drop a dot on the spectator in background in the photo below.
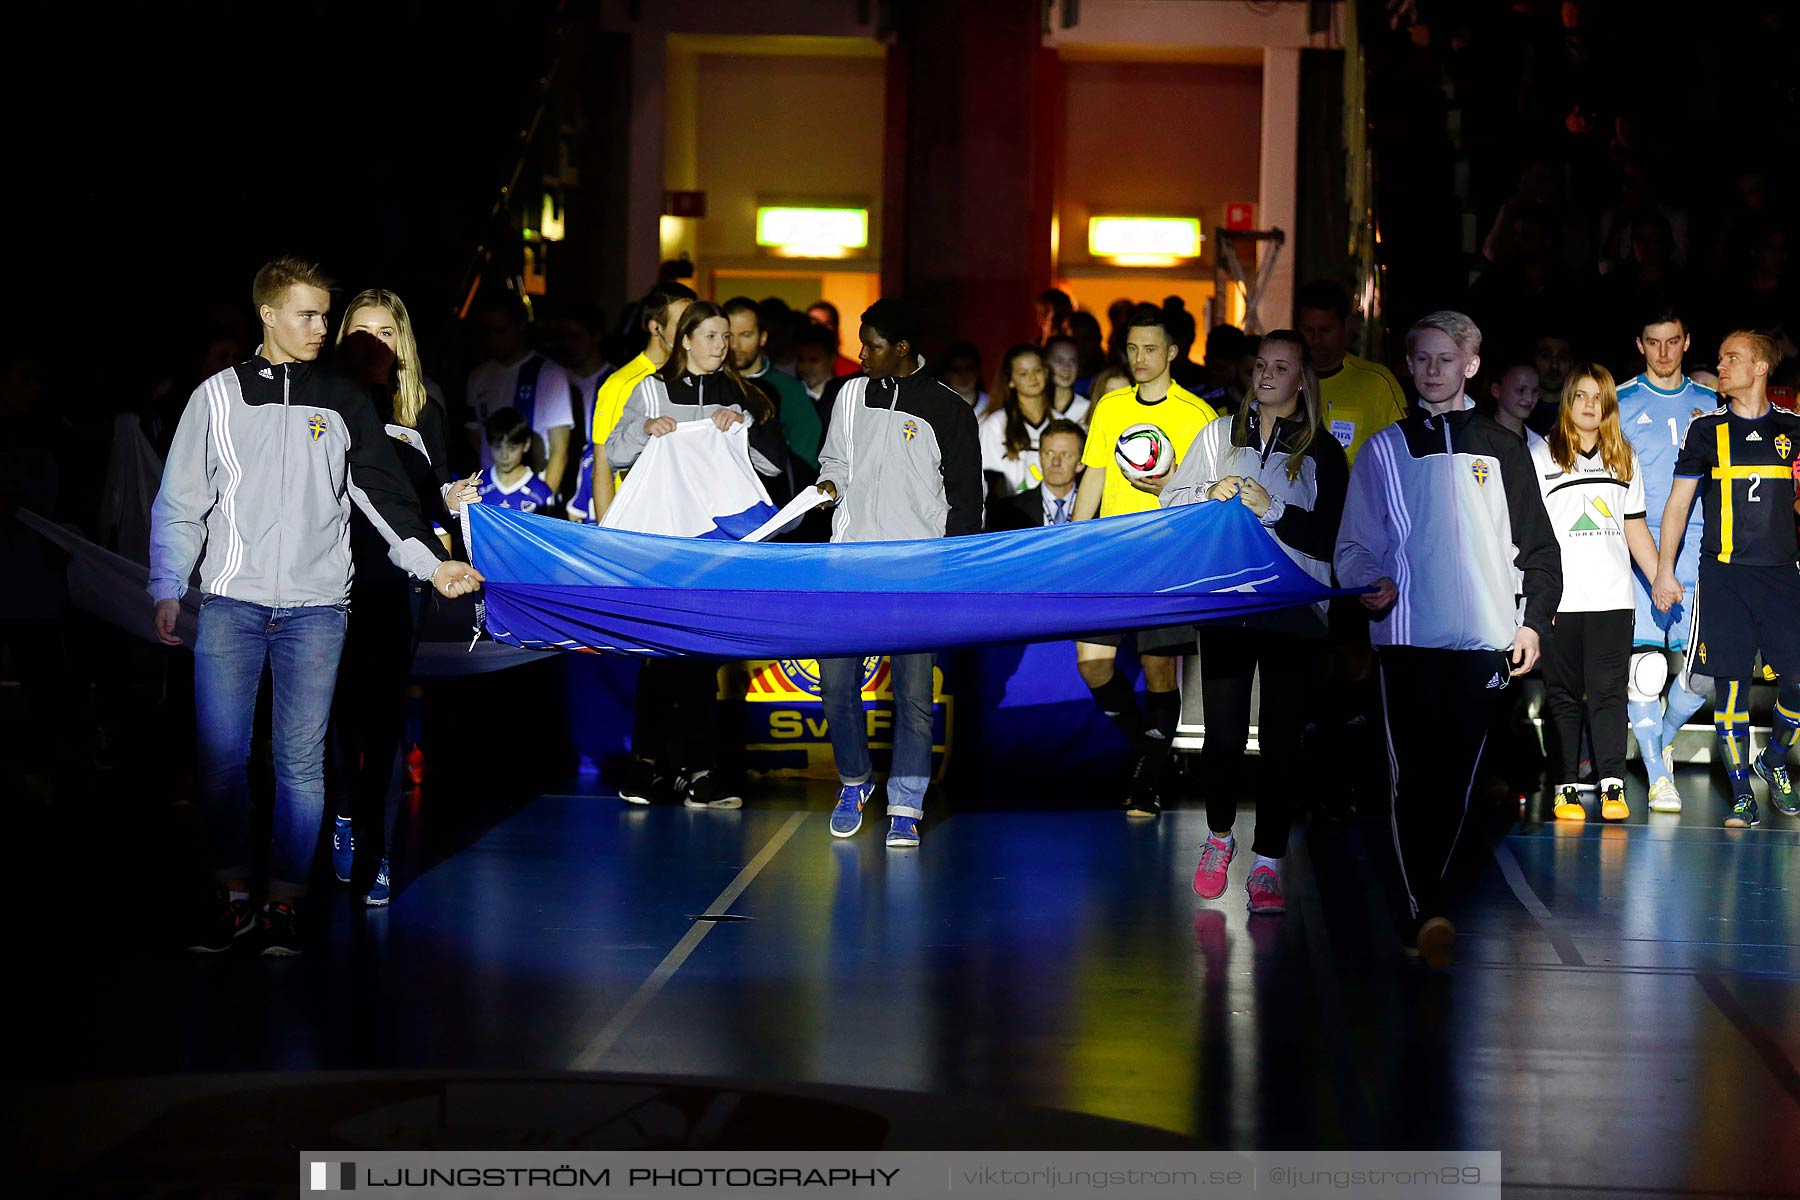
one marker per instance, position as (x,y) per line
(779,322)
(1759,294)
(1361,397)
(517,377)
(961,373)
(799,419)
(1051,502)
(1184,370)
(1637,204)
(1647,277)
(1276,459)
(1554,355)
(814,352)
(1109,379)
(1090,350)
(1118,317)
(660,311)
(577,331)
(217,348)
(1053,310)
(1224,349)
(1066,399)
(1511,398)
(1530,283)
(1009,435)
(511,483)
(825,313)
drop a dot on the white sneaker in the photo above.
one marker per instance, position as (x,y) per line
(1663,795)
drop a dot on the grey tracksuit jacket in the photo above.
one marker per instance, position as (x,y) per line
(691,398)
(905,458)
(257,490)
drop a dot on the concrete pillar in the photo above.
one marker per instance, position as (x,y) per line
(648,125)
(972,110)
(1279,175)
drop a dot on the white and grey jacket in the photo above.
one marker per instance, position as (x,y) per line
(1447,507)
(905,458)
(266,463)
(690,398)
(1303,512)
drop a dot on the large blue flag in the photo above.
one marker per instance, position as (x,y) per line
(555,585)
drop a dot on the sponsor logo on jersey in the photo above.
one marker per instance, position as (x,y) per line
(317,425)
(1644,418)
(1481,471)
(1495,681)
(266,373)
(1586,523)
(1754,436)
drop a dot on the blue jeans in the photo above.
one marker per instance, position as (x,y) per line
(301,647)
(840,682)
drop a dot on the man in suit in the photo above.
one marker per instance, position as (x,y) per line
(1051,502)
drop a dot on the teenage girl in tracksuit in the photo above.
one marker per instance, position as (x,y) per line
(676,721)
(1277,459)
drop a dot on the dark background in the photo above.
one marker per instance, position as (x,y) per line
(161,153)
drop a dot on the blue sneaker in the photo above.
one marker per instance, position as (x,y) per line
(846,818)
(1781,786)
(902,832)
(379,892)
(343,848)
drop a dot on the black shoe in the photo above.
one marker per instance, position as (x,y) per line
(1743,813)
(702,790)
(1144,799)
(228,921)
(278,933)
(642,783)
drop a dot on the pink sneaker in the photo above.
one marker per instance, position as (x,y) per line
(1209,876)
(1264,887)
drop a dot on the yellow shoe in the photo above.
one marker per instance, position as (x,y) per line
(1568,804)
(1612,800)
(1437,943)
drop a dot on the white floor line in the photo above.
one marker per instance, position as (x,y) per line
(595,1050)
(1515,878)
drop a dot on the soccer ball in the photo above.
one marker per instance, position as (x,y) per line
(1144,452)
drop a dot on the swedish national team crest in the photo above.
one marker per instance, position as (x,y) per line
(1481,471)
(1784,446)
(317,425)
(785,729)
(910,430)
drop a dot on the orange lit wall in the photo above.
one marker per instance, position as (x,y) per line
(1148,138)
(754,124)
